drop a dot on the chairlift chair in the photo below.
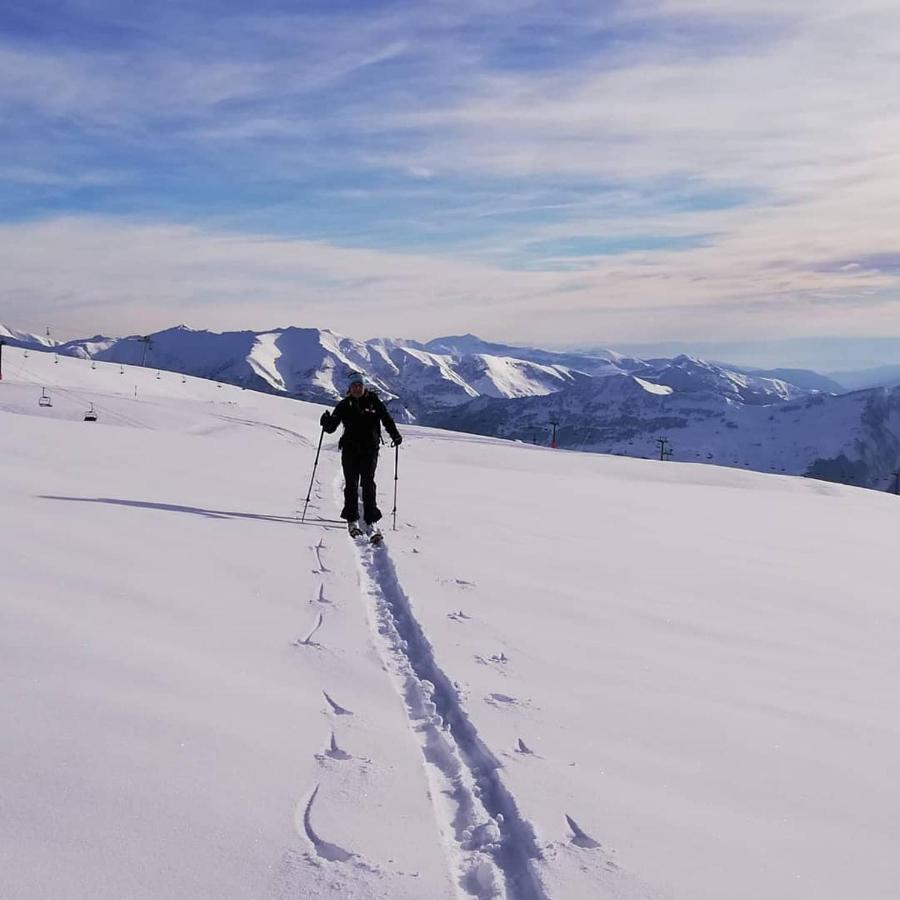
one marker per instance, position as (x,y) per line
(90,415)
(44,399)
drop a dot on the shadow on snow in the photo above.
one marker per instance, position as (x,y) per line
(196,510)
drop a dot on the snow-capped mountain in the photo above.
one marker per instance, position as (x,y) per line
(601,401)
(688,375)
(312,364)
(852,438)
(802,378)
(421,379)
(23,339)
(598,362)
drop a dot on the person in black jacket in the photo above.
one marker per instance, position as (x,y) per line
(362,414)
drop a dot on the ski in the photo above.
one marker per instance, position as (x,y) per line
(374,535)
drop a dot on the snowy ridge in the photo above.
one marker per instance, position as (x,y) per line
(684,373)
(503,376)
(423,380)
(23,339)
(310,363)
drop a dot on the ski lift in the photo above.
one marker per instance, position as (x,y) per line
(44,398)
(26,354)
(121,370)
(157,375)
(56,359)
(183,380)
(93,364)
(90,415)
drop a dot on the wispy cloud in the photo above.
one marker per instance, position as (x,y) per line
(75,270)
(685,165)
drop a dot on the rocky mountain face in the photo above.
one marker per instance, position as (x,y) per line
(682,409)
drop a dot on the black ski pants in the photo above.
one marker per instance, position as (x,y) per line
(359,469)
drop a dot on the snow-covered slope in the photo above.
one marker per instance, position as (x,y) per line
(564,676)
(597,363)
(805,379)
(505,376)
(851,438)
(684,374)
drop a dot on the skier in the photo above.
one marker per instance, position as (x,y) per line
(361,413)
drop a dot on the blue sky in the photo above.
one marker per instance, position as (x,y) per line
(638,171)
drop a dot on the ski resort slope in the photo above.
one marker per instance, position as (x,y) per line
(563,676)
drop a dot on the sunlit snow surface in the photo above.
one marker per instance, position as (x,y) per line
(564,675)
(651,388)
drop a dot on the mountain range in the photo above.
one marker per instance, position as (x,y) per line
(785,420)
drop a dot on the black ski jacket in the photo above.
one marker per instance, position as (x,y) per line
(362,419)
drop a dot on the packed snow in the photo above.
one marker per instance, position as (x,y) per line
(564,675)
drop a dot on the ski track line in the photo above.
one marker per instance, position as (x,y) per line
(491,836)
(292,436)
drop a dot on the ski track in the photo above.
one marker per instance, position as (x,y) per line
(292,436)
(490,834)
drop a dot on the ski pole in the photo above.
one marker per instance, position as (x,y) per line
(312,477)
(396,458)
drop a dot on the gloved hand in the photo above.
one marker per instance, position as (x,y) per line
(326,419)
(397,441)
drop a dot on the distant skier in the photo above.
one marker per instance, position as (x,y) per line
(361,413)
